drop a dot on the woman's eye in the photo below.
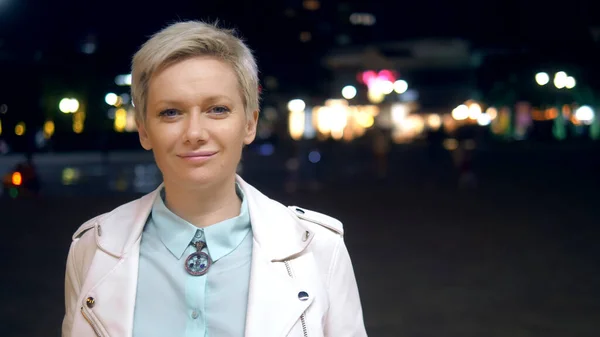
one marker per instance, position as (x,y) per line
(219,110)
(169,113)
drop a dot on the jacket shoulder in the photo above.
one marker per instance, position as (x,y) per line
(320,219)
(123,211)
(91,223)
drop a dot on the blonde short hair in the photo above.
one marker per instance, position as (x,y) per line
(184,40)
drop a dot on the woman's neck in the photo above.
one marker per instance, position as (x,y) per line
(206,206)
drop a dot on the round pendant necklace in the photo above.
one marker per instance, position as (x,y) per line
(197,263)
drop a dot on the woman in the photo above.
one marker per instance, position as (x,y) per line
(206,254)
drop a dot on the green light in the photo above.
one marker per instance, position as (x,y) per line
(13,192)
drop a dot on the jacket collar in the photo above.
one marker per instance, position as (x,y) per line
(276,229)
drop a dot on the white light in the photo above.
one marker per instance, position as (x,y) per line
(68,105)
(474,111)
(349,92)
(386,87)
(542,78)
(111,98)
(461,112)
(585,114)
(570,82)
(64,105)
(484,119)
(296,105)
(560,80)
(123,80)
(400,86)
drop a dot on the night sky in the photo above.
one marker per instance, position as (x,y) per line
(53,32)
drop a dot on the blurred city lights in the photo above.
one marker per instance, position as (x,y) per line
(296,123)
(20,129)
(305,36)
(560,80)
(314,157)
(385,86)
(78,127)
(584,114)
(542,78)
(484,119)
(474,111)
(311,5)
(349,92)
(120,120)
(364,119)
(450,144)
(461,112)
(434,121)
(492,112)
(16,179)
(123,80)
(364,19)
(111,98)
(570,82)
(400,86)
(0,127)
(48,129)
(296,105)
(68,105)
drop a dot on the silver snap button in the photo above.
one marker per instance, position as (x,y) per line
(306,236)
(195,314)
(303,296)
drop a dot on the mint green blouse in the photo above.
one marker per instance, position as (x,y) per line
(171,302)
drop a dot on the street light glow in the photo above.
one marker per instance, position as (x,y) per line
(461,112)
(349,92)
(111,98)
(296,105)
(400,86)
(585,114)
(560,80)
(542,78)
(68,105)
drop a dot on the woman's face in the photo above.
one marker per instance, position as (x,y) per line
(196,123)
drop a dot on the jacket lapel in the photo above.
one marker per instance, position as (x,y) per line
(114,296)
(112,282)
(274,304)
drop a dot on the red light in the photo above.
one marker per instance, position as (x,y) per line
(17,179)
(387,75)
(368,76)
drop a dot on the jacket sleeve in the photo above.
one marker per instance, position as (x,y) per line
(345,317)
(72,287)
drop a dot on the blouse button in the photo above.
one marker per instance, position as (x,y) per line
(195,314)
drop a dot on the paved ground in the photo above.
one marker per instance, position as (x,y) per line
(516,257)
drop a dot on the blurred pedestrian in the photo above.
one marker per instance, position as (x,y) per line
(206,253)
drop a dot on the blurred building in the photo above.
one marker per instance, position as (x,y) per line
(440,73)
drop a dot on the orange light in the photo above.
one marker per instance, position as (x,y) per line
(17,180)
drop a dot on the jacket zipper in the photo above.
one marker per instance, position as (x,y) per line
(302,318)
(92,324)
